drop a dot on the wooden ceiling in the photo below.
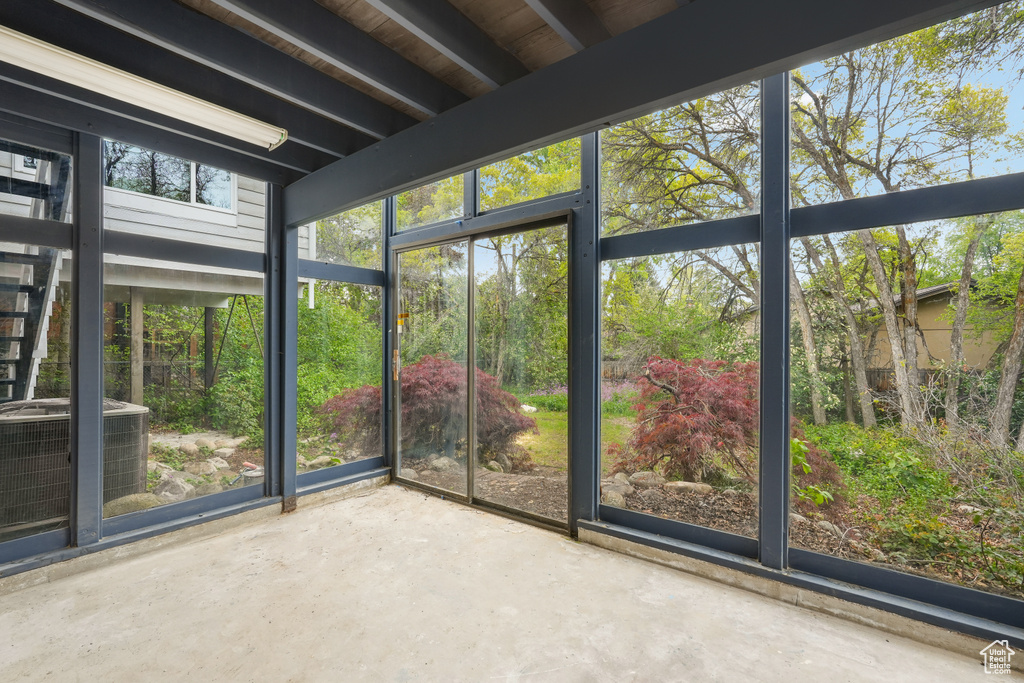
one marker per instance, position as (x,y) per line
(512,25)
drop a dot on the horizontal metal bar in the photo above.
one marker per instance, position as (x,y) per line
(24,188)
(36,544)
(938,616)
(179,251)
(341,273)
(740,230)
(28,150)
(541,212)
(173,512)
(958,598)
(26,131)
(680,531)
(36,231)
(431,489)
(972,197)
(611,82)
(56,111)
(341,475)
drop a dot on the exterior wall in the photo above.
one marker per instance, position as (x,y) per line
(934,319)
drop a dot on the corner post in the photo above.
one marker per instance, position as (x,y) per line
(774,440)
(87,343)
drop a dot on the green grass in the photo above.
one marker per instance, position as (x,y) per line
(550,448)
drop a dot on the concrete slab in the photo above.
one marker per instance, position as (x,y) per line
(396,585)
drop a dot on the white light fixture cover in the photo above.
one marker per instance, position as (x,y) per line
(49,60)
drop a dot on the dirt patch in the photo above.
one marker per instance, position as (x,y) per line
(542,491)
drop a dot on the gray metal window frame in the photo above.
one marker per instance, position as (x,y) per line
(966,610)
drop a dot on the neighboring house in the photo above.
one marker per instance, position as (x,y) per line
(934,319)
(193,204)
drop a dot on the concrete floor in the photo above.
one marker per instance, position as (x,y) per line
(395,585)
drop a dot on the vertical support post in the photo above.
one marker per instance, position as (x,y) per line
(471,193)
(389,218)
(87,343)
(208,346)
(774,440)
(282,339)
(584,344)
(135,344)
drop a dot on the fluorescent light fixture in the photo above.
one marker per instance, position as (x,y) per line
(49,60)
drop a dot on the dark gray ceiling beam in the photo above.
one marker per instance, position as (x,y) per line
(214,44)
(322,33)
(82,35)
(448,31)
(573,20)
(634,73)
(64,113)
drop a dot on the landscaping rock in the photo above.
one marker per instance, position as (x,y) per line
(219,463)
(689,486)
(132,503)
(173,489)
(494,466)
(445,465)
(613,498)
(206,443)
(794,518)
(200,468)
(189,449)
(646,480)
(207,489)
(731,493)
(224,452)
(409,473)
(527,409)
(623,477)
(321,462)
(154,466)
(502,459)
(618,486)
(968,509)
(831,528)
(230,443)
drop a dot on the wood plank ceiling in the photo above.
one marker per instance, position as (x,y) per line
(338,74)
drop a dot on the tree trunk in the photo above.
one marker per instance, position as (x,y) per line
(910,413)
(1000,424)
(908,290)
(956,334)
(803,314)
(858,357)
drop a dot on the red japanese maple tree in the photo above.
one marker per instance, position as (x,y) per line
(434,414)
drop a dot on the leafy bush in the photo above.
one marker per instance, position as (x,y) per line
(434,414)
(693,415)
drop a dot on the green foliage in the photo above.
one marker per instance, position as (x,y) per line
(168,455)
(558,403)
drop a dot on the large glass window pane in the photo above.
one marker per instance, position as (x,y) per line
(351,238)
(532,175)
(680,377)
(522,350)
(908,413)
(439,201)
(34,183)
(694,162)
(340,365)
(433,286)
(183,362)
(936,106)
(35,404)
